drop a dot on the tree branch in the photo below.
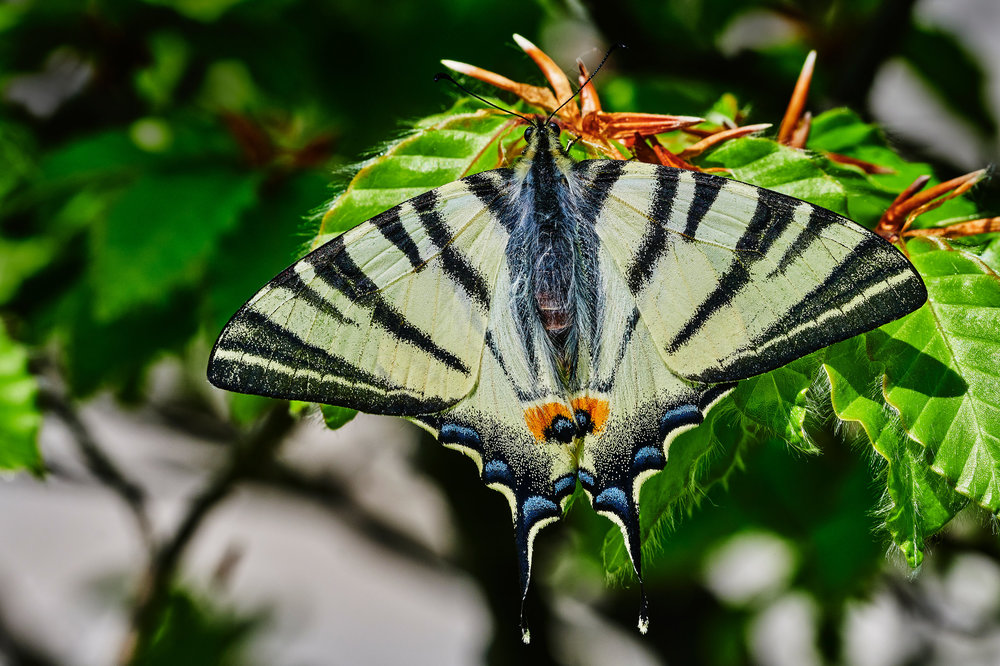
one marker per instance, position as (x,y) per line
(97,461)
(249,457)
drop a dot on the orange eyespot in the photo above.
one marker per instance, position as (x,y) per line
(540,419)
(596,408)
(553,421)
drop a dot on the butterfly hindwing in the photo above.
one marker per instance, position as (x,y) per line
(505,427)
(389,317)
(633,408)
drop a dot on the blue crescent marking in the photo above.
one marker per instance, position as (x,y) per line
(649,456)
(564,482)
(452,433)
(683,415)
(615,497)
(497,470)
(536,507)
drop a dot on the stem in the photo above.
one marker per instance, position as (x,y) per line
(98,462)
(248,458)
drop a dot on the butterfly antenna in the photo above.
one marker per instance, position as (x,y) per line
(573,96)
(441,76)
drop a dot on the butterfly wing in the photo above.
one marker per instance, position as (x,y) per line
(389,317)
(710,281)
(735,280)
(411,314)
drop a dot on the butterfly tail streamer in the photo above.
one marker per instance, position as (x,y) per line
(622,509)
(533,513)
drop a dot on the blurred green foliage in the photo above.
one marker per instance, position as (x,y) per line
(195,632)
(161,160)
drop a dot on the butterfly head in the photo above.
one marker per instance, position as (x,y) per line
(543,146)
(540,128)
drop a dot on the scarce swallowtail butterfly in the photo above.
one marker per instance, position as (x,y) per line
(561,322)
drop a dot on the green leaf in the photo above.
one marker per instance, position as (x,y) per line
(437,151)
(267,238)
(942,370)
(869,195)
(991,255)
(337,417)
(920,501)
(15,156)
(245,409)
(197,631)
(765,163)
(206,11)
(780,401)
(160,233)
(19,414)
(115,353)
(93,155)
(20,260)
(170,54)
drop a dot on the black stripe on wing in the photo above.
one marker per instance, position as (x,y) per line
(604,384)
(334,265)
(493,195)
(655,241)
(819,219)
(771,217)
(598,178)
(456,265)
(522,394)
(706,190)
(391,228)
(290,279)
(261,343)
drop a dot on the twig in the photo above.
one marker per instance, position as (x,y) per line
(248,458)
(97,461)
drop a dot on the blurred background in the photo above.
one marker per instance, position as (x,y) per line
(159,161)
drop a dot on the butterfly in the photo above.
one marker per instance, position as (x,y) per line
(561,322)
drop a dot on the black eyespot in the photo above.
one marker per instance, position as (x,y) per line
(554,127)
(528,131)
(561,429)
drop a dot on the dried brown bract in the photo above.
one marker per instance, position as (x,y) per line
(606,133)
(914,201)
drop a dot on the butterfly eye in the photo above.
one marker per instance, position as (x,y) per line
(528,132)
(554,128)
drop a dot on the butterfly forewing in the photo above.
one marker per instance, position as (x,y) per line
(735,280)
(390,317)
